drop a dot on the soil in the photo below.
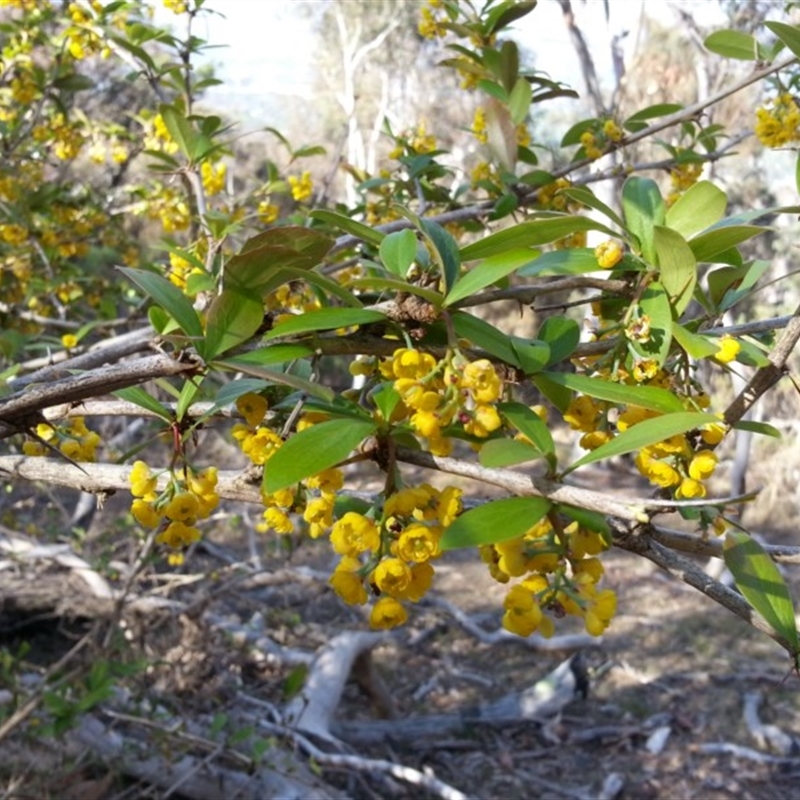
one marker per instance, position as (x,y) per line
(667,680)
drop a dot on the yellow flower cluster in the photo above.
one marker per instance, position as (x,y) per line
(73,439)
(559,576)
(779,123)
(213,177)
(430,26)
(438,394)
(397,550)
(416,141)
(175,510)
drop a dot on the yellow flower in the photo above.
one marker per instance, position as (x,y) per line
(482,381)
(582,413)
(276,519)
(702,466)
(319,515)
(144,513)
(421,580)
(418,543)
(302,187)
(612,131)
(690,488)
(483,421)
(658,472)
(178,534)
(354,534)
(412,364)
(253,407)
(728,349)
(387,613)
(392,576)
(347,583)
(600,613)
(142,482)
(213,177)
(267,212)
(183,507)
(479,125)
(523,614)
(589,142)
(69,340)
(608,254)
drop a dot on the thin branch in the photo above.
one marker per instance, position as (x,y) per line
(19,409)
(689,573)
(766,377)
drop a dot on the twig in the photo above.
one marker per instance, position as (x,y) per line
(688,572)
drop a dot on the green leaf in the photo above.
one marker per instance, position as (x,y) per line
(677,266)
(180,129)
(762,584)
(311,388)
(398,251)
(788,34)
(573,135)
(447,248)
(643,209)
(505,452)
(188,393)
(649,397)
(655,304)
(728,285)
(377,282)
(699,207)
(489,271)
(556,393)
(733,44)
(169,297)
(574,261)
(797,174)
(695,345)
(532,356)
(233,318)
(561,335)
(531,234)
(719,239)
(386,398)
(593,520)
(638,121)
(583,195)
(530,424)
(519,101)
(763,428)
(313,450)
(231,392)
(645,433)
(324,319)
(495,522)
(485,335)
(275,354)
(139,397)
(348,225)
(502,15)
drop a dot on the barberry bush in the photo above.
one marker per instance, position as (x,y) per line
(144,273)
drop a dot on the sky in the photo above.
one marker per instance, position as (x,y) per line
(263,49)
